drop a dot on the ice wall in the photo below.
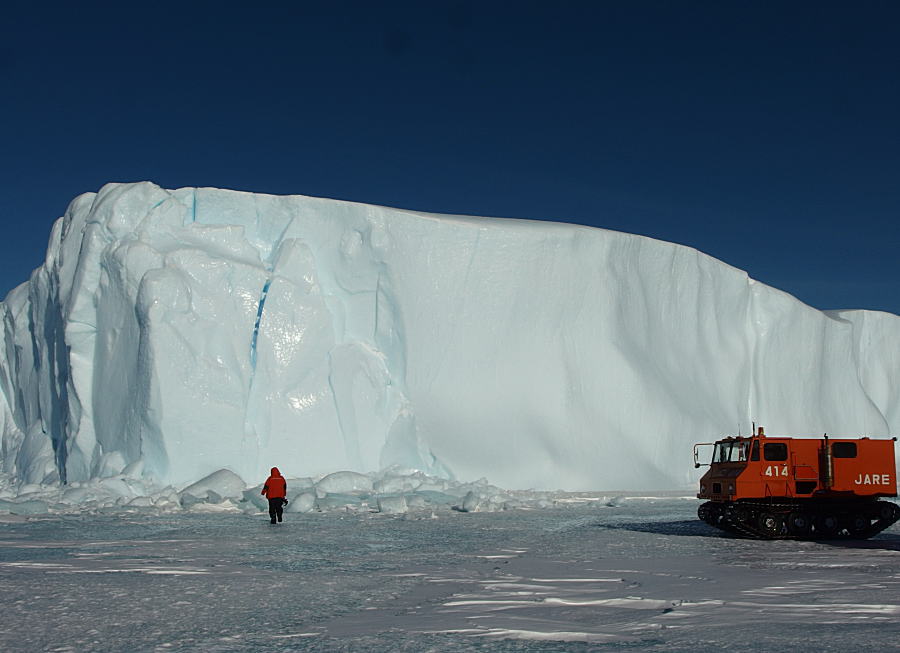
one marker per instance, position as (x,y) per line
(174,333)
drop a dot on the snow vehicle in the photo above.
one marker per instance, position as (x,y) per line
(799,488)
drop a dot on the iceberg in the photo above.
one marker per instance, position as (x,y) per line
(170,334)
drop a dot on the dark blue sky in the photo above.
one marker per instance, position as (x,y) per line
(766,134)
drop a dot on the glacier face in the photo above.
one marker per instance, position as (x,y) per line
(174,333)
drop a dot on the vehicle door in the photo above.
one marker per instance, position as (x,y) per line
(774,470)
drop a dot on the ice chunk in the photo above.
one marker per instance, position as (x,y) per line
(437,498)
(253,496)
(332,501)
(345,482)
(77,495)
(188,500)
(297,486)
(224,483)
(475,501)
(303,483)
(214,497)
(304,502)
(214,508)
(415,501)
(394,484)
(392,505)
(116,486)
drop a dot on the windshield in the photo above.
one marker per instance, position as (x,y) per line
(731,451)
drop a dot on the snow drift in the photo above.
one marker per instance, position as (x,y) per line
(171,334)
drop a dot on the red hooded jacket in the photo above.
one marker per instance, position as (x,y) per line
(275,486)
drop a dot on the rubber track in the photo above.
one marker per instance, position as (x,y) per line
(722,516)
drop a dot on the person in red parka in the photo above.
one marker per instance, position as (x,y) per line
(275,490)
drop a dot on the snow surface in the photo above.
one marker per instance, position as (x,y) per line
(173,334)
(642,574)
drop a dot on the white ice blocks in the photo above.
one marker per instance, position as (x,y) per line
(170,334)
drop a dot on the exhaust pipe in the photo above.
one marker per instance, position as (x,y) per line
(827,465)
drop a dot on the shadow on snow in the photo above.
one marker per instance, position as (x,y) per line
(686,528)
(697,528)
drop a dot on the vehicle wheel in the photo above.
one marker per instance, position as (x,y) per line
(741,516)
(772,525)
(705,513)
(858,524)
(799,523)
(886,511)
(826,525)
(711,513)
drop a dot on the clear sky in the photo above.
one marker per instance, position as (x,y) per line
(766,134)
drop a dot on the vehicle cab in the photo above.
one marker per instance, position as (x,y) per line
(729,460)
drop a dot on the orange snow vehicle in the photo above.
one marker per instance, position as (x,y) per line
(799,488)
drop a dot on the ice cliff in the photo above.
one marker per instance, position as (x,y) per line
(170,334)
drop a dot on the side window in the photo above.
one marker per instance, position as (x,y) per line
(775,451)
(754,453)
(843,449)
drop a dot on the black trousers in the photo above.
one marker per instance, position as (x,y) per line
(276,508)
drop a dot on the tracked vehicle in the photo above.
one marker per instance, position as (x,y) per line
(798,488)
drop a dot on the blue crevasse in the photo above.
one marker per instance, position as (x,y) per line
(259,313)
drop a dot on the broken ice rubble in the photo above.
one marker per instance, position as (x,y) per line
(389,492)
